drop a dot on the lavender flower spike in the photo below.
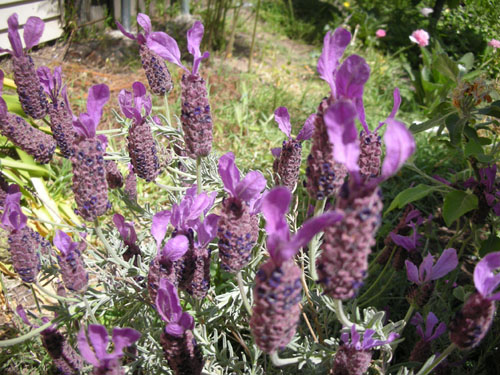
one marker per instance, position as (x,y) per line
(128,235)
(470,325)
(238,228)
(196,118)
(422,349)
(89,173)
(354,358)
(31,94)
(61,117)
(94,349)
(141,145)
(73,272)
(156,70)
(23,241)
(180,348)
(277,291)
(289,158)
(35,142)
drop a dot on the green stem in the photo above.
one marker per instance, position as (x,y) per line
(20,339)
(364,304)
(243,294)
(314,244)
(278,362)
(379,276)
(341,316)
(167,110)
(89,310)
(36,299)
(55,296)
(438,360)
(179,173)
(111,252)
(372,263)
(199,187)
(4,291)
(407,317)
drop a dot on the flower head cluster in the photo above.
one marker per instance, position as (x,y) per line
(94,349)
(433,330)
(488,191)
(470,325)
(420,37)
(238,225)
(156,70)
(289,156)
(128,235)
(31,94)
(141,145)
(380,33)
(494,43)
(277,291)
(179,346)
(73,272)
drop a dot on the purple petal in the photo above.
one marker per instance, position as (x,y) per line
(417,319)
(97,98)
(33,30)
(251,186)
(308,129)
(197,61)
(119,222)
(399,146)
(125,100)
(1,81)
(13,34)
(274,207)
(485,280)
(125,32)
(3,107)
(123,337)
(425,269)
(488,176)
(282,117)
(447,262)
(229,173)
(339,120)
(12,216)
(403,241)
(64,94)
(45,76)
(412,272)
(354,336)
(334,46)
(208,229)
(167,302)
(276,152)
(176,247)
(430,323)
(63,242)
(194,37)
(186,321)
(22,314)
(174,329)
(98,336)
(165,46)
(441,328)
(159,226)
(351,77)
(85,126)
(85,350)
(145,22)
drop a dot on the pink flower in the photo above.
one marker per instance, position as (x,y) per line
(380,33)
(494,43)
(421,37)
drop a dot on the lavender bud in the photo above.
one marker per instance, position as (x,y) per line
(61,123)
(162,268)
(73,271)
(369,158)
(142,151)
(421,352)
(89,178)
(197,271)
(131,185)
(4,187)
(65,358)
(30,91)
(276,309)
(237,232)
(113,175)
(419,295)
(324,175)
(182,353)
(349,361)
(195,117)
(31,140)
(470,325)
(289,163)
(24,244)
(156,70)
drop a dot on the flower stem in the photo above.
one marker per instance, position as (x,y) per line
(25,337)
(36,299)
(314,244)
(408,315)
(89,310)
(55,296)
(341,316)
(109,249)
(374,284)
(278,362)
(199,186)
(438,360)
(179,173)
(243,294)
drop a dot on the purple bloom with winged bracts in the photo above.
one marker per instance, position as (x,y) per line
(65,358)
(487,190)
(141,145)
(278,288)
(290,155)
(31,94)
(422,350)
(59,110)
(238,226)
(73,271)
(128,235)
(196,118)
(470,325)
(94,348)
(156,70)
(354,357)
(89,172)
(31,140)
(343,263)
(180,348)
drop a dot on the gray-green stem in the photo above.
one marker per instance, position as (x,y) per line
(111,252)
(25,337)
(243,294)
(199,186)
(55,296)
(278,362)
(313,245)
(438,360)
(341,316)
